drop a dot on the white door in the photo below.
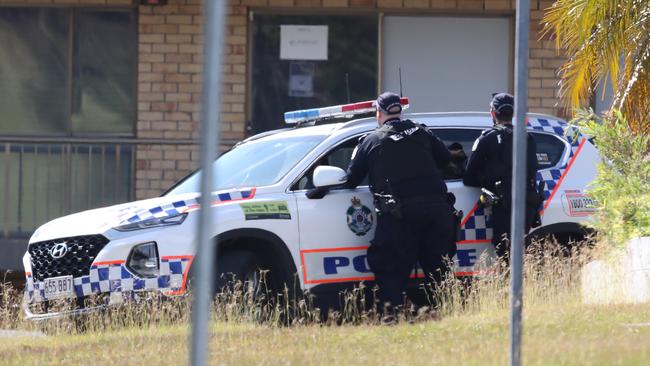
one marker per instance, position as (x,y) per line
(335,230)
(447,63)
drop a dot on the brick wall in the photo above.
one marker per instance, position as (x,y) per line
(169,88)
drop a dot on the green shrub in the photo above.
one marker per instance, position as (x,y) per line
(622,186)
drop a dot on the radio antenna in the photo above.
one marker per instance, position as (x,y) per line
(347,85)
(401,94)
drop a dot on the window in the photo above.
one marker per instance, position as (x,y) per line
(549,150)
(348,74)
(254,164)
(339,157)
(64,72)
(69,72)
(459,141)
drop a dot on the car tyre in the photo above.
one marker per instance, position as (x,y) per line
(241,268)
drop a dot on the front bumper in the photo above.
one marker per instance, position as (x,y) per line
(114,279)
(29,315)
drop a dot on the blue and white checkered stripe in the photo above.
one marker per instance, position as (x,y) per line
(478,226)
(181,206)
(170,209)
(116,278)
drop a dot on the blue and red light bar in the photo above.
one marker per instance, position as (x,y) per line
(344,110)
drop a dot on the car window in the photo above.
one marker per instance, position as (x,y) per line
(339,156)
(459,141)
(254,164)
(549,150)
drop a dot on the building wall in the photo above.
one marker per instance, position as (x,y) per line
(170,69)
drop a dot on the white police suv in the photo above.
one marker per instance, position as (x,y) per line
(266,220)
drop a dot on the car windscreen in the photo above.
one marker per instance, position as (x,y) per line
(253,164)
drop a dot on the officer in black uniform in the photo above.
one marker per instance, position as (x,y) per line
(404,164)
(490,167)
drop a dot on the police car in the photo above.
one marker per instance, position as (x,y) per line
(271,214)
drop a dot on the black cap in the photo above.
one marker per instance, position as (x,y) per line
(389,103)
(503,104)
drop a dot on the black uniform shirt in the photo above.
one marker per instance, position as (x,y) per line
(400,158)
(491,159)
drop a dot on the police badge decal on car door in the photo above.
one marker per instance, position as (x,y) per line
(359,217)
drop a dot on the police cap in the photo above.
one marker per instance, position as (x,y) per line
(389,103)
(503,105)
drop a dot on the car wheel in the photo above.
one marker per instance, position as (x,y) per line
(241,271)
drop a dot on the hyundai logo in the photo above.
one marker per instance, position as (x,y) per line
(59,250)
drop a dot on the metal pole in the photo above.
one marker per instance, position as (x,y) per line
(205,264)
(519,179)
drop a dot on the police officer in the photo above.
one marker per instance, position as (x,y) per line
(404,164)
(490,167)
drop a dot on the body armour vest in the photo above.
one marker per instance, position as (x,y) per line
(404,163)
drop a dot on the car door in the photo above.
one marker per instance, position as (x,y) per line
(334,230)
(475,251)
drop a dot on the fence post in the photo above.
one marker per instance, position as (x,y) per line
(206,250)
(518,220)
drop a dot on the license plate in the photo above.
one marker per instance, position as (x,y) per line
(58,287)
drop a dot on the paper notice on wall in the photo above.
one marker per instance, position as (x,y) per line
(303,42)
(301,79)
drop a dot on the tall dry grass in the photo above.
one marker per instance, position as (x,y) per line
(551,279)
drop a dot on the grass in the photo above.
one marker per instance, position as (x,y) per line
(469,330)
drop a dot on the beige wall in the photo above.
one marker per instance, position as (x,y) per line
(170,67)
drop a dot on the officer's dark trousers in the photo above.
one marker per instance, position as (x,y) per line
(424,234)
(501,216)
(501,229)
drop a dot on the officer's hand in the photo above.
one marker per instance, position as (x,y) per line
(317,193)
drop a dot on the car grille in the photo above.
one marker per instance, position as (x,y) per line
(81,253)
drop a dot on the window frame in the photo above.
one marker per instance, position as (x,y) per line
(434,128)
(327,151)
(564,159)
(274,11)
(73,11)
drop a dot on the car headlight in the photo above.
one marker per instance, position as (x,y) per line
(143,260)
(153,222)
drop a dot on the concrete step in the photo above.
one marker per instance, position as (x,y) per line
(624,279)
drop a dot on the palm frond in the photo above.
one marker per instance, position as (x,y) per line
(607,41)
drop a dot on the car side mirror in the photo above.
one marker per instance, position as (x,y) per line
(328,176)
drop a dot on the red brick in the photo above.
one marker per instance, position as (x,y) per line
(390,4)
(178,57)
(164,48)
(151,38)
(470,4)
(165,67)
(164,87)
(363,3)
(416,4)
(179,19)
(177,97)
(443,4)
(336,3)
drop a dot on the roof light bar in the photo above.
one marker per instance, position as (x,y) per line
(344,110)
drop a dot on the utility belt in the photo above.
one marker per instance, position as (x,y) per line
(534,199)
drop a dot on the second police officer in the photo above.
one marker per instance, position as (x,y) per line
(490,168)
(404,164)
